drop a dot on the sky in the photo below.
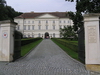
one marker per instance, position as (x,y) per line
(41,5)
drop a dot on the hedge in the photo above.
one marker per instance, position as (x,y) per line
(69,44)
(27,41)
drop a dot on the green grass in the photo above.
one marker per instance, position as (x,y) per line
(26,48)
(67,50)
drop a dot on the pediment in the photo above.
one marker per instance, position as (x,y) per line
(46,16)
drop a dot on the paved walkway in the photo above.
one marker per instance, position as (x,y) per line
(46,59)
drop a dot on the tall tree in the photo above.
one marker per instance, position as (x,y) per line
(7,12)
(83,6)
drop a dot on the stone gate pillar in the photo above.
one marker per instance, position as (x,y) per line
(7,40)
(92,41)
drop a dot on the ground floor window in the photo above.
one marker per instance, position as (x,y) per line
(39,35)
(53,34)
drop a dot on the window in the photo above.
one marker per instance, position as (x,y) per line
(32,21)
(64,21)
(24,27)
(32,35)
(53,26)
(53,34)
(25,22)
(32,27)
(18,21)
(28,35)
(28,22)
(46,21)
(46,27)
(24,36)
(39,27)
(18,27)
(59,21)
(28,27)
(60,26)
(39,22)
(39,35)
(53,21)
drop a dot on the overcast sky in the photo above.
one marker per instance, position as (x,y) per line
(41,5)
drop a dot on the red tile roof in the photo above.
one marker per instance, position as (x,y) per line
(34,14)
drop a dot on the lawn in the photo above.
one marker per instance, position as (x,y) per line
(70,52)
(27,48)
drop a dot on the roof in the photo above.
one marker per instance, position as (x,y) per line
(34,15)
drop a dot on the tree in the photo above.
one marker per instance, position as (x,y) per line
(7,12)
(67,32)
(83,6)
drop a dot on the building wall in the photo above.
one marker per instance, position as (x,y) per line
(37,27)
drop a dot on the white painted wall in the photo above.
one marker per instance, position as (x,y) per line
(49,18)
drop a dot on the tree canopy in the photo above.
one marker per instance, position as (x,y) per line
(7,12)
(83,6)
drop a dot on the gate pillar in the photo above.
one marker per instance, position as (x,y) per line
(7,40)
(92,41)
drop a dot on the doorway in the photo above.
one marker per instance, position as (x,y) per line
(46,35)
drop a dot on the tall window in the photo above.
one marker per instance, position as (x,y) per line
(18,27)
(28,35)
(53,26)
(47,22)
(39,22)
(60,26)
(24,35)
(32,35)
(64,21)
(24,27)
(53,34)
(25,22)
(32,27)
(32,21)
(39,27)
(18,21)
(59,21)
(46,27)
(53,21)
(28,27)
(28,22)
(39,35)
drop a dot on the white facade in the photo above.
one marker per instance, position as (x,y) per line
(38,26)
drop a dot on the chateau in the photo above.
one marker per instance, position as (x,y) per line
(42,24)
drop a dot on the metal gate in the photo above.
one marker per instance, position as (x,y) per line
(17,45)
(81,44)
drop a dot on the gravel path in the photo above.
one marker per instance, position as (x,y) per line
(46,59)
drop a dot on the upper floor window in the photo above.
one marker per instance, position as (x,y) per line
(53,21)
(32,27)
(59,21)
(46,27)
(18,21)
(46,21)
(39,22)
(32,21)
(60,26)
(25,22)
(64,21)
(39,27)
(24,27)
(28,27)
(53,26)
(28,22)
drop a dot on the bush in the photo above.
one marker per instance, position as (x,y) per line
(72,45)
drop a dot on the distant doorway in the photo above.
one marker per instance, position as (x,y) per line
(46,35)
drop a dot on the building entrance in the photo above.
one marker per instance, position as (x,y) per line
(46,35)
